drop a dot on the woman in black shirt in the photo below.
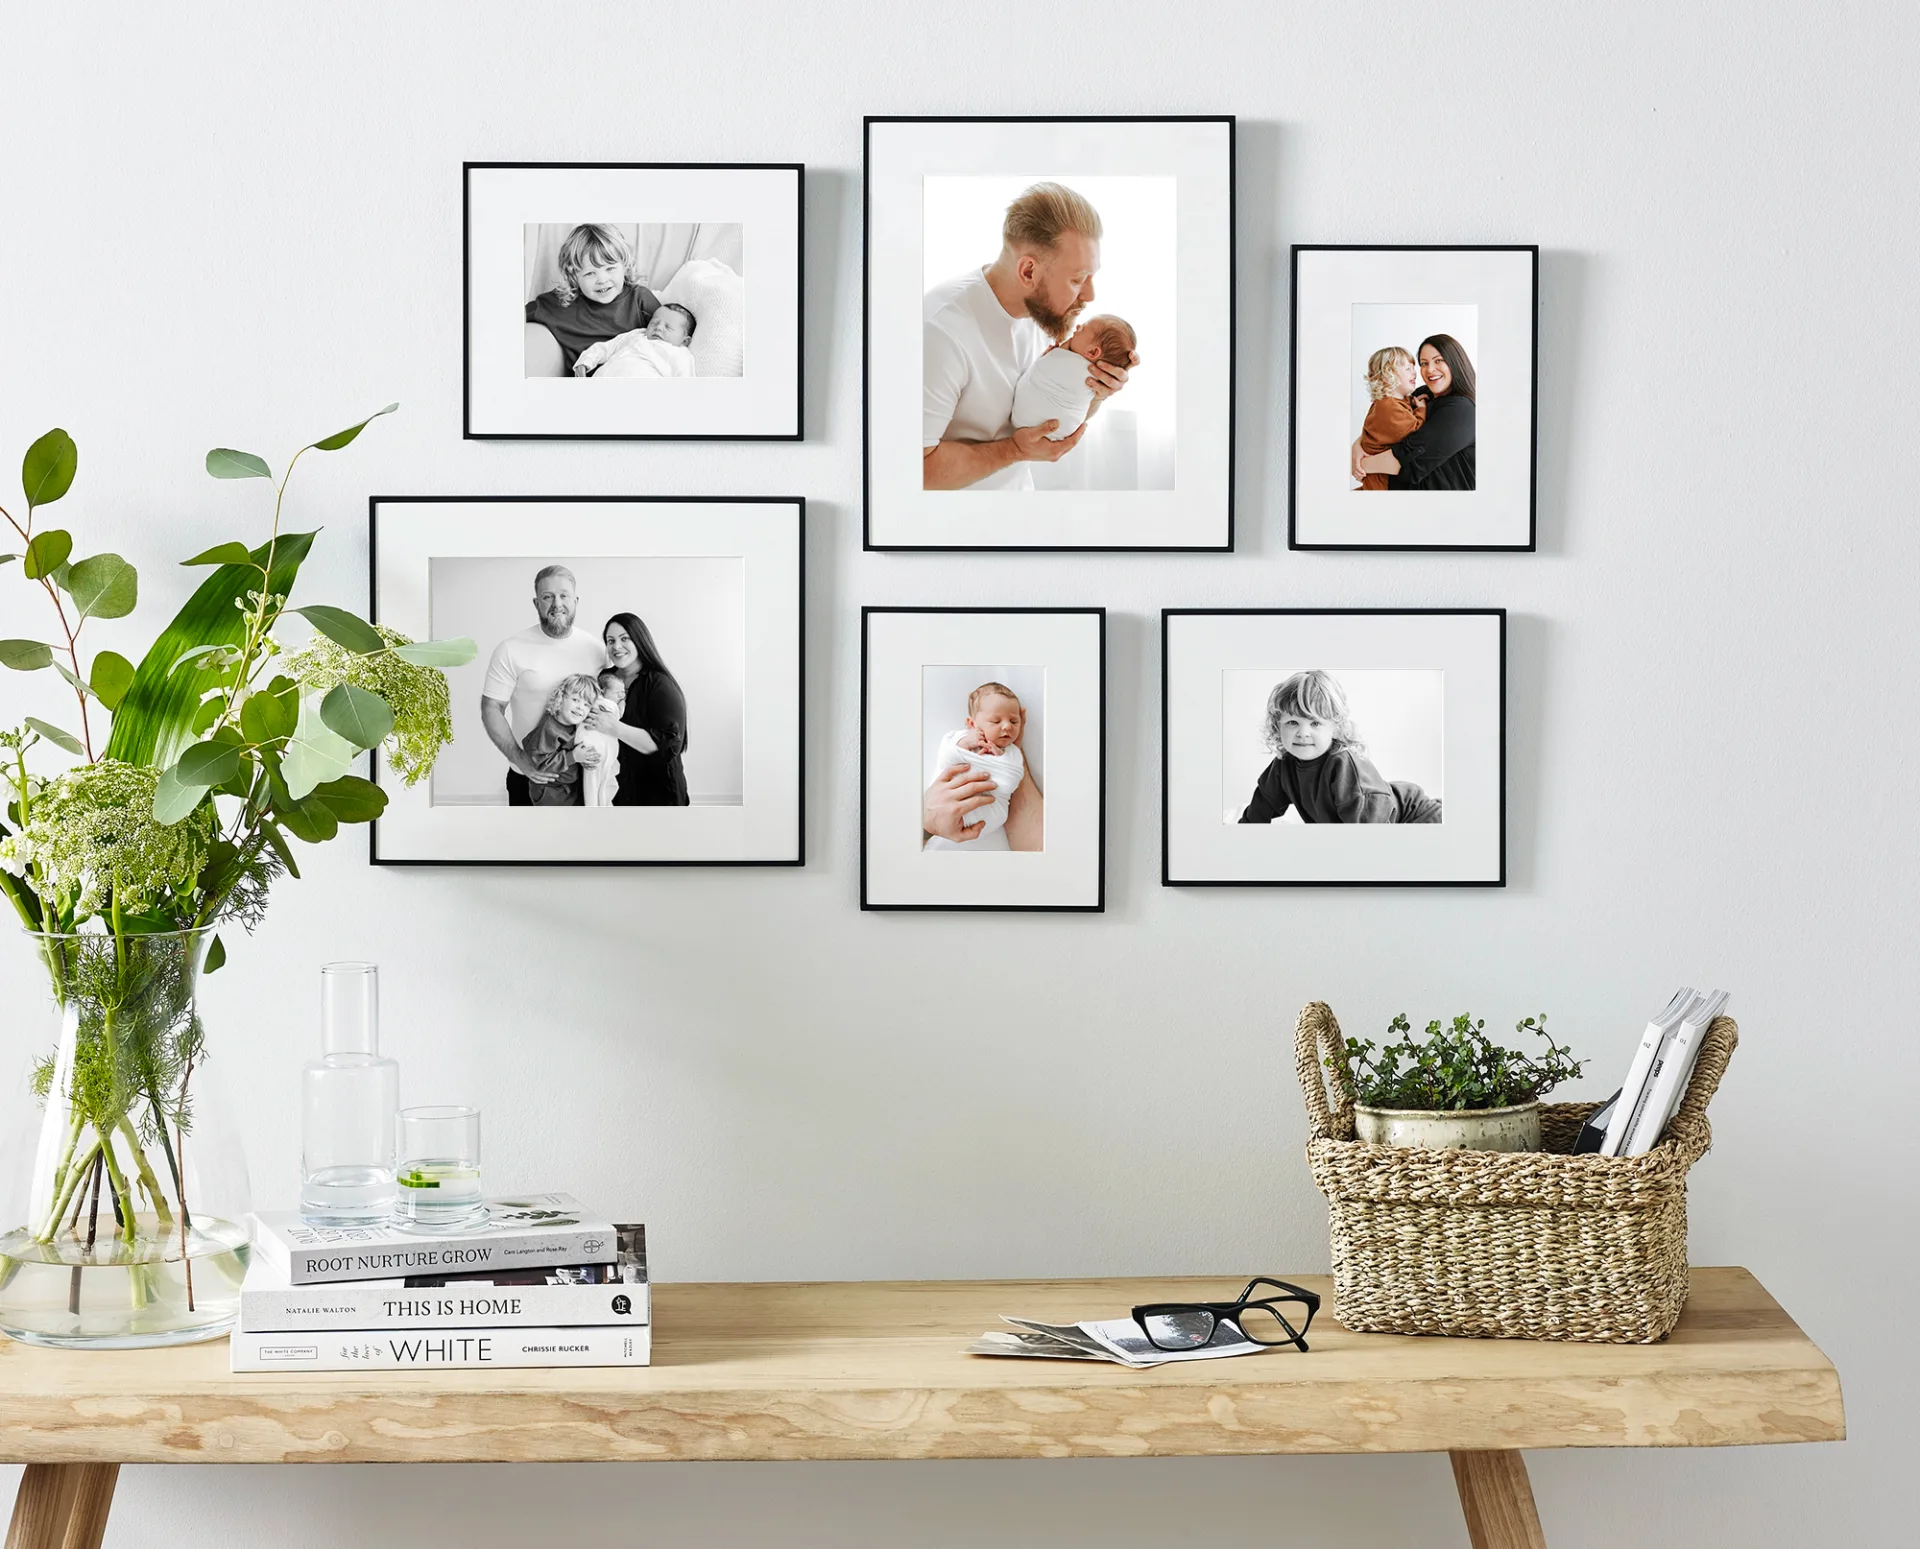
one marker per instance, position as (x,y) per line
(652,728)
(1438,454)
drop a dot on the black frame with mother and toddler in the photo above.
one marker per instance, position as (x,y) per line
(726,574)
(1498,513)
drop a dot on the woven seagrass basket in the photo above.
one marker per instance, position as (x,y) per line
(1506,1245)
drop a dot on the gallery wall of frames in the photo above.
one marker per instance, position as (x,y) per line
(1068,346)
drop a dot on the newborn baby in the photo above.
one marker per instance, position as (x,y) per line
(986,744)
(659,349)
(603,778)
(1055,386)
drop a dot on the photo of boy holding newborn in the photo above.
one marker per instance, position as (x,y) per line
(658,350)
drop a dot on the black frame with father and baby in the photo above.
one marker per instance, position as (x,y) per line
(1053,300)
(633,301)
(1415,384)
(638,694)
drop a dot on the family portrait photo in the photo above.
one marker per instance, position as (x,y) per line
(1412,396)
(1413,373)
(687,309)
(635,696)
(983,738)
(613,302)
(1041,292)
(983,758)
(601,682)
(1055,297)
(1306,747)
(1310,745)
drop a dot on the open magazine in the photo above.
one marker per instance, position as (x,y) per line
(1116,1339)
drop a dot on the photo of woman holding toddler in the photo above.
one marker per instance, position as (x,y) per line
(1419,433)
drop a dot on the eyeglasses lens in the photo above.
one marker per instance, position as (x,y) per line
(1263,1326)
(1188,1329)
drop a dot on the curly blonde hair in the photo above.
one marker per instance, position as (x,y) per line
(1317,695)
(592,247)
(1380,366)
(581,682)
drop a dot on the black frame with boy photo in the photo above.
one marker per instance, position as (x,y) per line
(1328,747)
(994,249)
(1436,407)
(686,283)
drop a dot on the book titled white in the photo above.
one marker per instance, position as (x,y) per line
(450,1349)
(1658,1031)
(1669,1082)
(525,1231)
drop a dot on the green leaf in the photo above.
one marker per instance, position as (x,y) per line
(172,800)
(277,841)
(105,587)
(438,653)
(25,655)
(315,755)
(53,734)
(221,554)
(341,438)
(48,469)
(110,678)
(361,717)
(225,463)
(66,672)
(208,763)
(307,818)
(154,720)
(47,552)
(352,799)
(216,957)
(210,711)
(269,717)
(342,627)
(8,559)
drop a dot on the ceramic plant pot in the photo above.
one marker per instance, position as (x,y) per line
(1458,1129)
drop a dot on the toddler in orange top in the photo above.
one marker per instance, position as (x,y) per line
(1392,377)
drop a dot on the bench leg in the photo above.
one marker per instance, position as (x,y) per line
(62,1505)
(1497,1500)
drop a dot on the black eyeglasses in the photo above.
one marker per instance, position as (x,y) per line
(1264,1320)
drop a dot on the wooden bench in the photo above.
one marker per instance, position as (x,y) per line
(875,1370)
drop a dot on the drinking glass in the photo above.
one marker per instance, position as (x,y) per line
(439,1179)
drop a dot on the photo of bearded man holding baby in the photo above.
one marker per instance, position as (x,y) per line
(982,330)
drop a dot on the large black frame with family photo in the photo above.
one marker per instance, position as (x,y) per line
(702,741)
(1492,509)
(1158,477)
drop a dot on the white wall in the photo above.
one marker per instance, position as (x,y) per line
(240,226)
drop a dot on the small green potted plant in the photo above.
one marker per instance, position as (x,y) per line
(1457,1090)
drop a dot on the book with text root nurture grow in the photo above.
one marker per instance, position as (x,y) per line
(451,1349)
(526,1231)
(555,1296)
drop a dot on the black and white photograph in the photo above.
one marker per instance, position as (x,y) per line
(1385,768)
(633,301)
(1413,375)
(1065,328)
(983,758)
(635,695)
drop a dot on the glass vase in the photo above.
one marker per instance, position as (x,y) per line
(124,1224)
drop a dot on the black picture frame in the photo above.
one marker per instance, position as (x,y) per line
(799,505)
(467,170)
(867,542)
(1293,399)
(867,904)
(1167,879)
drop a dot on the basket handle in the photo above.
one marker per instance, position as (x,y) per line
(1316,1037)
(1716,1048)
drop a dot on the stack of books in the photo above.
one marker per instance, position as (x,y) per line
(1631,1122)
(540,1283)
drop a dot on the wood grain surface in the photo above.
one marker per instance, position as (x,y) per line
(876,1370)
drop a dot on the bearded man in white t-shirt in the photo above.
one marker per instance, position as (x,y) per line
(525,668)
(981,330)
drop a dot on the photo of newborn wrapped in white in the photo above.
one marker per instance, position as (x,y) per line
(607,301)
(984,740)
